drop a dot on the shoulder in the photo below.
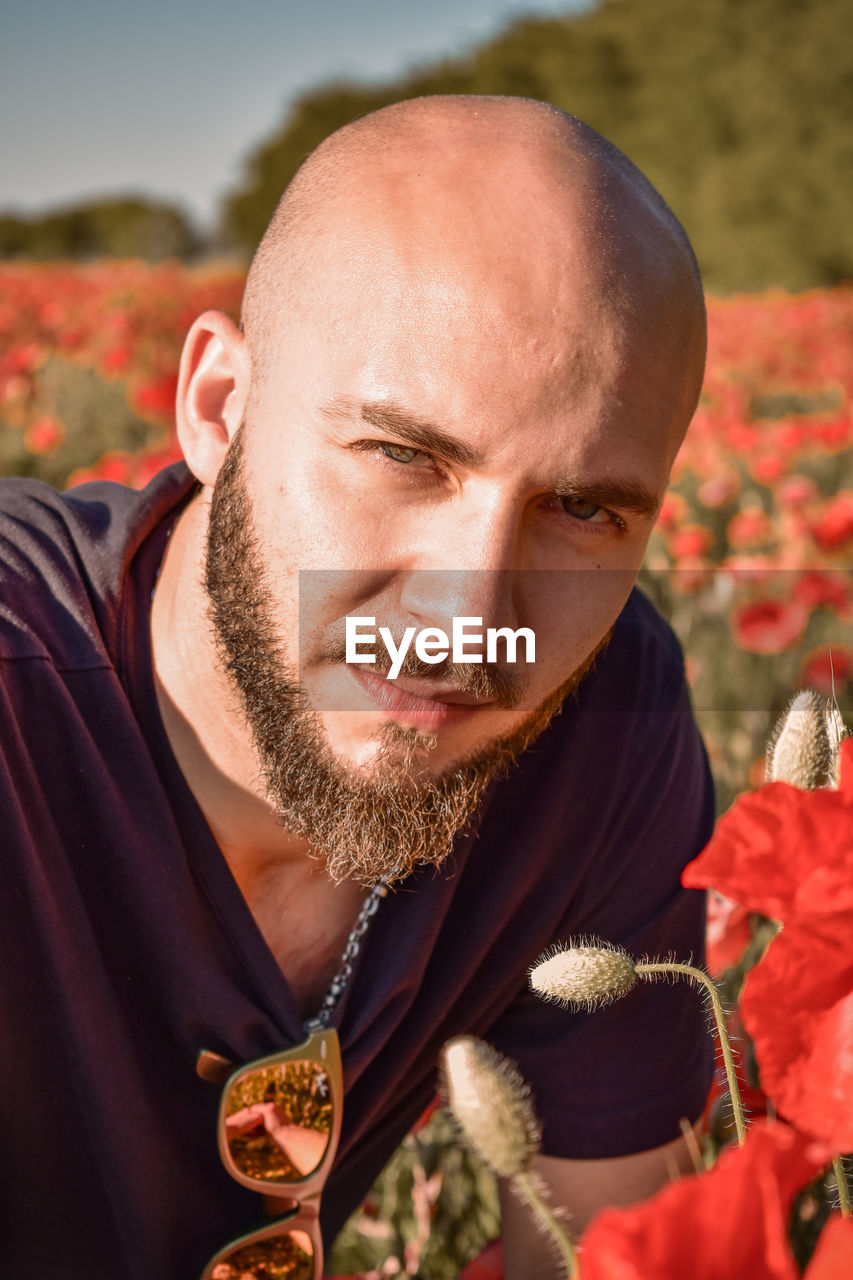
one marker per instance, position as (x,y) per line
(63,558)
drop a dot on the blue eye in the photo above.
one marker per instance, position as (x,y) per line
(399,452)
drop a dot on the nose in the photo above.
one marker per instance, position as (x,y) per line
(466,566)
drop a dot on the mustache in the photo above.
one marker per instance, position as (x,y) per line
(486,681)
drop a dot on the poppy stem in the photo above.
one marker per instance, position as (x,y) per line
(526,1188)
(670,966)
(841,1184)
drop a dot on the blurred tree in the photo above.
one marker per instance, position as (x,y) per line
(123,228)
(738,110)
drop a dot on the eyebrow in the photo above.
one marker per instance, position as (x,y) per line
(625,495)
(416,431)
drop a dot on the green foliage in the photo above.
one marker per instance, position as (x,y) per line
(125,228)
(96,416)
(433,1208)
(737,110)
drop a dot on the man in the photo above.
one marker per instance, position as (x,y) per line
(472,340)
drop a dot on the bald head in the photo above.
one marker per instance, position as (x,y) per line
(513,188)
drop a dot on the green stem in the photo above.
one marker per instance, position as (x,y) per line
(670,966)
(526,1188)
(841,1184)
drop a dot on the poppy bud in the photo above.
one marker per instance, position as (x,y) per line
(584,976)
(836,731)
(799,751)
(591,973)
(490,1104)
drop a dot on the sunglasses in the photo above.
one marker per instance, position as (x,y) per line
(279,1124)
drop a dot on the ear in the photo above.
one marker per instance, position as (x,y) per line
(213,388)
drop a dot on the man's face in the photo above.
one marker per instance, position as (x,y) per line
(368,822)
(436,442)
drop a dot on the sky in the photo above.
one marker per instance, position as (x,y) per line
(167,97)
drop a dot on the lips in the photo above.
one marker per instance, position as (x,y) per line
(422,703)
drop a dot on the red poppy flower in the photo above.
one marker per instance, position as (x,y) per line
(767,467)
(789,855)
(833,1257)
(827,670)
(44,435)
(768,626)
(117,359)
(750,528)
(797,1005)
(672,511)
(830,589)
(784,852)
(728,933)
(488,1265)
(110,466)
(834,435)
(795,491)
(834,528)
(158,398)
(691,542)
(718,490)
(731,1221)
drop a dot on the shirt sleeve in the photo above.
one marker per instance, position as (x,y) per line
(617,1080)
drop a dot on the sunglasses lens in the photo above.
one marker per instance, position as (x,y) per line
(285,1257)
(278,1122)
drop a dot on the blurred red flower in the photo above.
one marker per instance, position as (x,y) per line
(768,467)
(750,528)
(834,435)
(768,626)
(44,435)
(834,528)
(796,490)
(718,490)
(672,510)
(789,855)
(158,398)
(690,541)
(110,466)
(117,359)
(827,670)
(488,1265)
(731,1221)
(826,588)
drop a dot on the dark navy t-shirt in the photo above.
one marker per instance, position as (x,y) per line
(126,946)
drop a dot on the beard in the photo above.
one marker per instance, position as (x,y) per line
(363,825)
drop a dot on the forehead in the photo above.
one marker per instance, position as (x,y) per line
(482,236)
(494,344)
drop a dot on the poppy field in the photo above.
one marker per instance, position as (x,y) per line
(750,556)
(750,561)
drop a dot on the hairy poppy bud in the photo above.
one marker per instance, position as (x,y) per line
(586,975)
(804,745)
(836,731)
(490,1104)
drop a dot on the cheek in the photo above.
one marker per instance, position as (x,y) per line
(323,522)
